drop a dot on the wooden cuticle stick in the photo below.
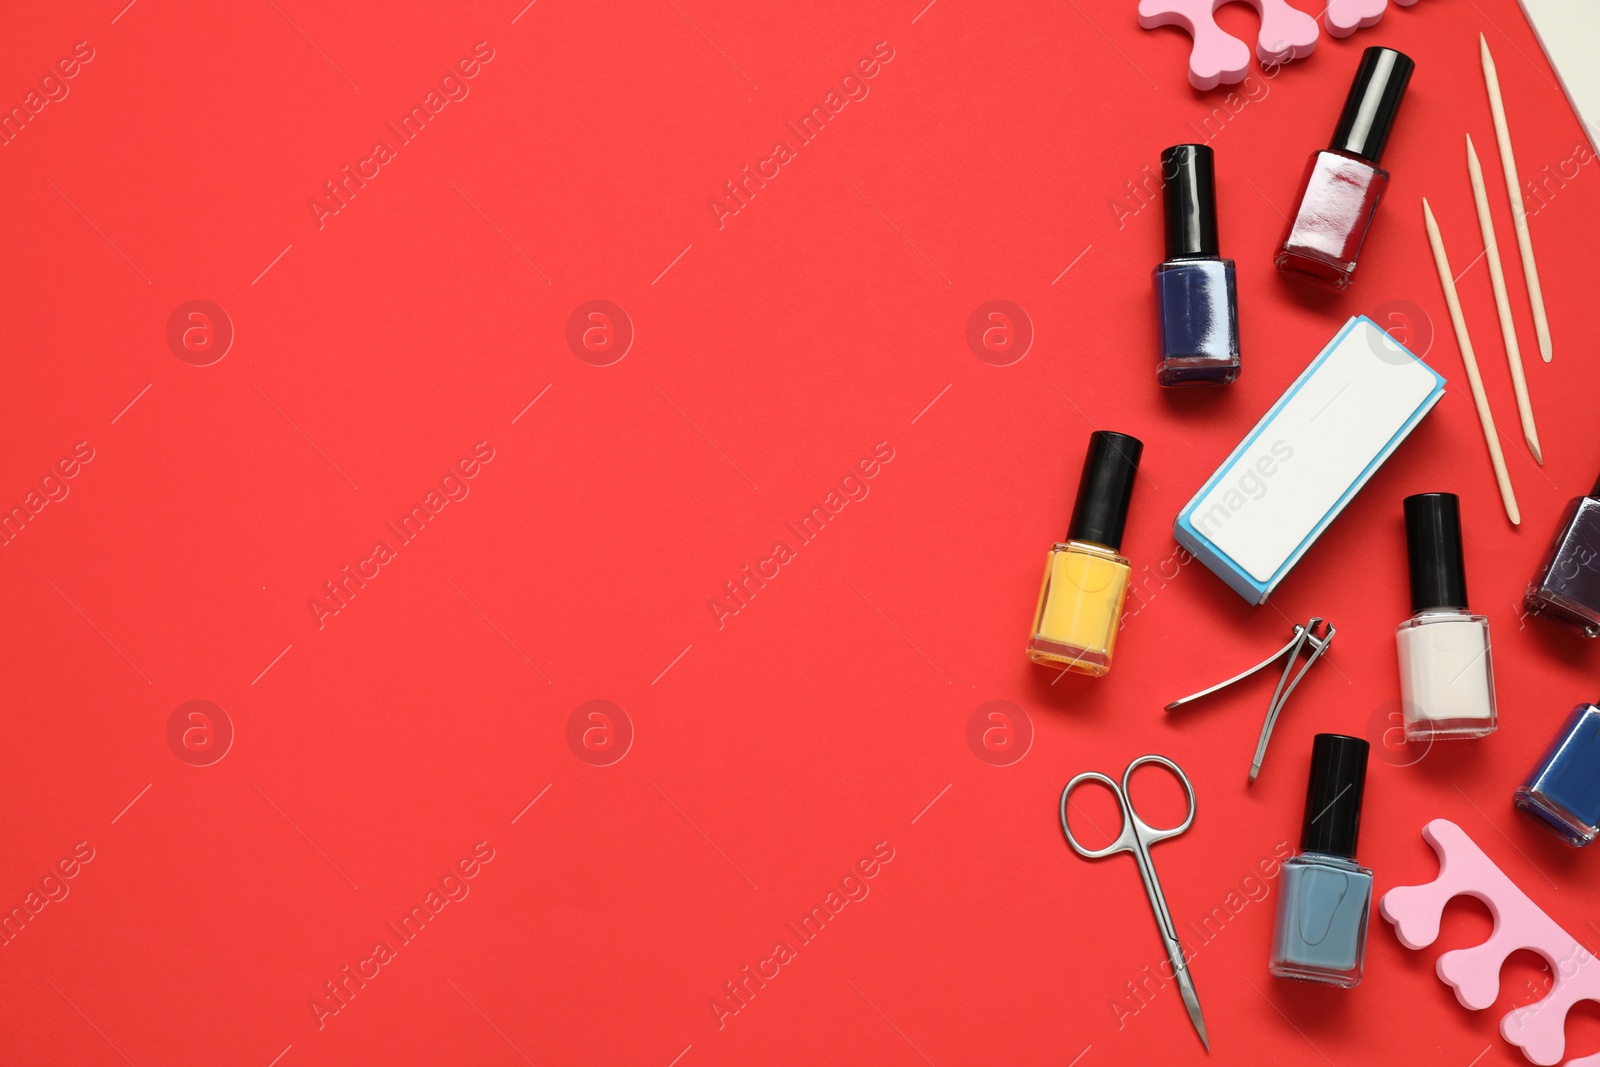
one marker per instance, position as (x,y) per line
(1480,400)
(1502,304)
(1519,212)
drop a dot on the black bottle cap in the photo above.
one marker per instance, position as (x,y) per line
(1373,102)
(1189,184)
(1333,796)
(1433,545)
(1596,490)
(1109,469)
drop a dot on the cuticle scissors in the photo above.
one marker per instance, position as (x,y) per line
(1135,839)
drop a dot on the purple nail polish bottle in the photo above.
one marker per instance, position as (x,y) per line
(1566,588)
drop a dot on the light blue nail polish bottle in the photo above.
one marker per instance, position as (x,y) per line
(1324,896)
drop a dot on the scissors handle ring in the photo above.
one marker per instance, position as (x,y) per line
(1136,835)
(1118,845)
(1151,834)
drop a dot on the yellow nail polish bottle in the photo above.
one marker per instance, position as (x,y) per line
(1086,578)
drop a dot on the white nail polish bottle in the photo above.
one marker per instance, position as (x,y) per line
(1446,678)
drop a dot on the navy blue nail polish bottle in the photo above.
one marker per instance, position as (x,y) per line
(1196,298)
(1564,789)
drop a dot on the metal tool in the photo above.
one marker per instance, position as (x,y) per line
(1135,839)
(1304,637)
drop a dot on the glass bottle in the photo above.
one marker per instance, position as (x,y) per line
(1566,587)
(1086,577)
(1196,296)
(1446,674)
(1324,896)
(1563,790)
(1342,185)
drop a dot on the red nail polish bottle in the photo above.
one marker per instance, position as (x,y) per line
(1344,183)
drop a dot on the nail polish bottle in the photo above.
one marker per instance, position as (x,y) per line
(1446,677)
(1564,789)
(1566,588)
(1320,934)
(1196,299)
(1086,577)
(1342,185)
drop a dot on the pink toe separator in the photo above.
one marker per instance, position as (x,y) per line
(1218,56)
(1538,1029)
(1347,16)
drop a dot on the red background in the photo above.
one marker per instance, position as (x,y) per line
(829,714)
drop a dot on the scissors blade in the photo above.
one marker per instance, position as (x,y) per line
(1191,1001)
(1169,939)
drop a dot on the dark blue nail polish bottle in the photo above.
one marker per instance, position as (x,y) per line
(1564,789)
(1196,301)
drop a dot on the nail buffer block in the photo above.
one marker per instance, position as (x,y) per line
(1307,457)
